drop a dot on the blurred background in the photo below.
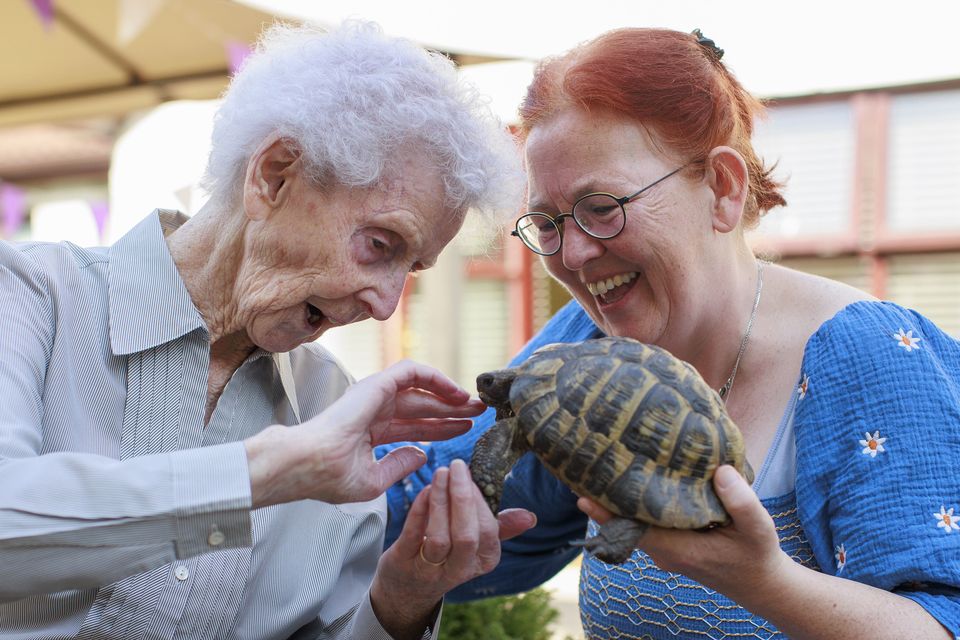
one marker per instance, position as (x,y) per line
(106,107)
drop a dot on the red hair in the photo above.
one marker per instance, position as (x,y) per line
(671,84)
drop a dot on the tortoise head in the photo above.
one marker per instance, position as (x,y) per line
(494,389)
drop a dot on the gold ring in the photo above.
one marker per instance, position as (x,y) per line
(432,564)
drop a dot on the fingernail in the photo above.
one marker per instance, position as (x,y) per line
(462,471)
(725,477)
(527,518)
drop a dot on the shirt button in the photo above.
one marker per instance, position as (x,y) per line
(182,573)
(216,537)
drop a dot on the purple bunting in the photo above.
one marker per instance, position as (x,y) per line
(237,52)
(101,212)
(13,208)
(44,9)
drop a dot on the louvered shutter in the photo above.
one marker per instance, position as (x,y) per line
(924,162)
(813,146)
(928,283)
(484,331)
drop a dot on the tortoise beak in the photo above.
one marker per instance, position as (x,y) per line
(494,387)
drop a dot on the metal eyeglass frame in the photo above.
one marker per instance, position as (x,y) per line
(557,221)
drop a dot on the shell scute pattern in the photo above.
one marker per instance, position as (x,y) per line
(619,421)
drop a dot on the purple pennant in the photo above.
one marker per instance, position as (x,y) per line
(44,9)
(101,212)
(13,208)
(237,52)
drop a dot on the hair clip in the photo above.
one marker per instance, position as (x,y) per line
(707,44)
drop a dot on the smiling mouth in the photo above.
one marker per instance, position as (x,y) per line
(610,290)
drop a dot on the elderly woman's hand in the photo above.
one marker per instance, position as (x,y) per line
(330,457)
(449,537)
(736,559)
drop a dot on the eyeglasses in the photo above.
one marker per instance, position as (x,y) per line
(599,215)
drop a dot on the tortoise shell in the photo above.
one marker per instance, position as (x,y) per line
(624,423)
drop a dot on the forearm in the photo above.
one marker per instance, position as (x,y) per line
(806,604)
(70,521)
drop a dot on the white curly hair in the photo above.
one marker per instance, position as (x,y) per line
(354,100)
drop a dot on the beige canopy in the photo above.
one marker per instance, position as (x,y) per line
(106,57)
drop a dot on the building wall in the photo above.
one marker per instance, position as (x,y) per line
(874,193)
(874,201)
(873,186)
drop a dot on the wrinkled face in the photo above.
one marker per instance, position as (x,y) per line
(636,284)
(330,257)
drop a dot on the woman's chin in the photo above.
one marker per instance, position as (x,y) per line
(621,318)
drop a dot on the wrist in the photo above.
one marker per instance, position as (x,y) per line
(767,585)
(403,618)
(269,460)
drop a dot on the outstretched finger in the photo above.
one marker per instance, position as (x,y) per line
(417,403)
(408,374)
(422,430)
(466,524)
(513,522)
(397,465)
(436,541)
(415,526)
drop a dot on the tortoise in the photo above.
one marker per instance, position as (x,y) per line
(624,423)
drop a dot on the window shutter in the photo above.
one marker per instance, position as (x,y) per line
(924,162)
(484,331)
(928,283)
(813,146)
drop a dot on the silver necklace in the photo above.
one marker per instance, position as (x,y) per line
(724,391)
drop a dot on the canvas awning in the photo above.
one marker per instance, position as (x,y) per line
(70,59)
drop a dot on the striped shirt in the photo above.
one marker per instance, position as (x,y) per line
(121,515)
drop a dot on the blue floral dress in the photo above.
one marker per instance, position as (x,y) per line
(871,438)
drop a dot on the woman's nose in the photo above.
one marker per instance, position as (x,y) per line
(578,247)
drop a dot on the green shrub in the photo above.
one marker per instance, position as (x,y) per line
(521,617)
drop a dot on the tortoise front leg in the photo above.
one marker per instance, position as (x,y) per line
(493,456)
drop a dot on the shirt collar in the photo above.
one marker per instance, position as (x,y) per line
(149,303)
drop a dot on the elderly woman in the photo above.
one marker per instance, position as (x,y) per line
(642,181)
(167,469)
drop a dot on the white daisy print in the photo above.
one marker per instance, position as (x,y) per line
(872,444)
(841,557)
(946,520)
(907,340)
(804,385)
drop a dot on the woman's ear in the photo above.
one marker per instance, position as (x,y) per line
(268,171)
(728,178)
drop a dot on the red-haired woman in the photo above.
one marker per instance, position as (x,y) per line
(642,181)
